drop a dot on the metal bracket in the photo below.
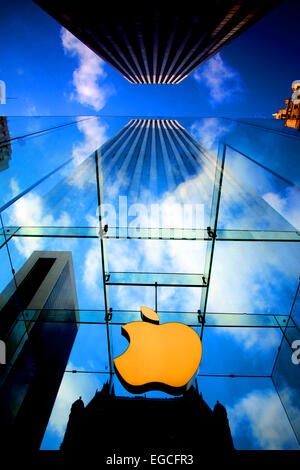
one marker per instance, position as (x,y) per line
(211,233)
(108,316)
(103,231)
(201,318)
(107,276)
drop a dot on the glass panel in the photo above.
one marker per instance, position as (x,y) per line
(6,234)
(90,351)
(5,271)
(141,165)
(179,299)
(286,378)
(15,339)
(239,350)
(266,141)
(257,235)
(295,312)
(125,316)
(218,186)
(122,317)
(224,319)
(289,328)
(254,277)
(131,297)
(54,202)
(156,256)
(256,417)
(156,233)
(64,232)
(89,338)
(151,233)
(86,259)
(72,387)
(38,145)
(157,185)
(254,201)
(63,316)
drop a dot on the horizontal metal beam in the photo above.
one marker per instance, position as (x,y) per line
(152,234)
(231,376)
(119,317)
(155,279)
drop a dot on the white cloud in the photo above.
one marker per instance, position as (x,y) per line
(31,211)
(266,418)
(92,220)
(94,133)
(289,396)
(92,272)
(253,337)
(208,131)
(275,201)
(87,76)
(287,204)
(14,187)
(222,80)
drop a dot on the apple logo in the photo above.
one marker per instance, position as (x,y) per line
(159,357)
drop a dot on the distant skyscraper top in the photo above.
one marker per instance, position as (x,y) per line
(157,42)
(291,114)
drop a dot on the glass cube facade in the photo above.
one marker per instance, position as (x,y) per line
(196,218)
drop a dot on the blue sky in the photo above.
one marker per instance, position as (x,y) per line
(49,73)
(261,63)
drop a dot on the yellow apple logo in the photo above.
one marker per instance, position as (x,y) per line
(159,357)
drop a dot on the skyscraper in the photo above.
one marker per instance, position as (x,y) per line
(154,154)
(39,315)
(150,43)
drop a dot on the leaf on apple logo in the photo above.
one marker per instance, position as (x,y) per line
(149,315)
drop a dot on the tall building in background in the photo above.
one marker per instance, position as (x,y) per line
(291,114)
(5,147)
(157,43)
(39,323)
(156,155)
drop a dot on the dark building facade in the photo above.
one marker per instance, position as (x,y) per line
(5,147)
(38,323)
(157,43)
(110,424)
